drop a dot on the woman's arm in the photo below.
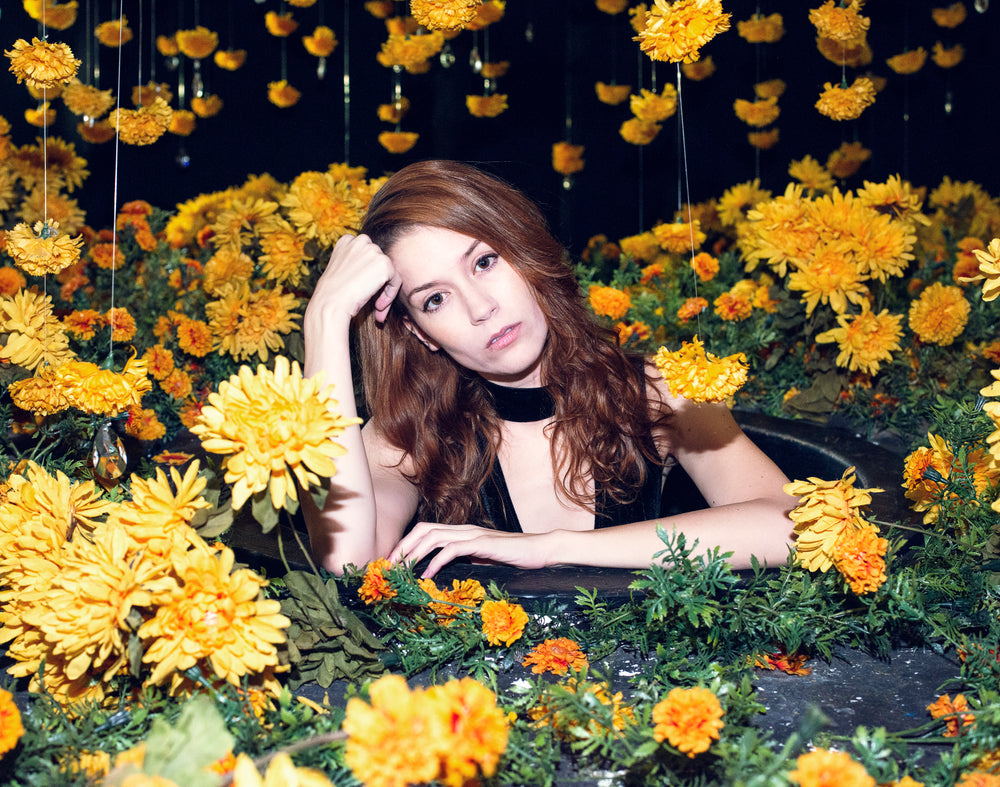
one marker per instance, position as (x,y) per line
(352,527)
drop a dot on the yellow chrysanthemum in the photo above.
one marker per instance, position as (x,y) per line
(865,340)
(44,250)
(444,14)
(840,22)
(654,107)
(142,126)
(675,32)
(42,65)
(197,43)
(283,254)
(989,269)
(275,431)
(322,206)
(247,323)
(679,237)
(757,113)
(567,158)
(940,314)
(831,276)
(689,719)
(321,43)
(737,200)
(825,510)
(846,103)
(281,772)
(213,614)
(486,106)
(760,29)
(698,375)
(908,62)
(612,94)
(811,174)
(99,391)
(34,335)
(859,556)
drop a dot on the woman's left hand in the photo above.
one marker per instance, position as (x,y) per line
(524,550)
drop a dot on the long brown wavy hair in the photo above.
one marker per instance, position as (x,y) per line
(437,412)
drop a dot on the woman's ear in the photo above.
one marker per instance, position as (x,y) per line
(424,339)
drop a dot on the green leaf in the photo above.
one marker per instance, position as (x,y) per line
(264,511)
(184,752)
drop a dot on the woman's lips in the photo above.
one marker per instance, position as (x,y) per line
(504,337)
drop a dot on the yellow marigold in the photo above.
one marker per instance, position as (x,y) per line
(275,431)
(611,7)
(642,247)
(86,100)
(206,106)
(859,556)
(478,731)
(760,29)
(940,314)
(567,158)
(198,43)
(688,719)
(503,622)
(167,46)
(733,306)
(142,126)
(322,206)
(444,14)
(195,338)
(113,33)
(321,43)
(691,308)
(908,62)
(486,106)
(654,107)
(122,324)
(11,728)
(609,301)
(831,276)
(375,586)
(811,174)
(411,52)
(701,69)
(952,16)
(757,113)
(846,103)
(57,16)
(282,95)
(280,25)
(674,32)
(44,250)
(394,113)
(847,159)
(34,335)
(947,58)
(826,509)
(853,54)
(159,361)
(83,323)
(488,12)
(230,59)
(636,131)
(494,70)
(840,22)
(824,768)
(557,656)
(42,65)
(96,133)
(40,394)
(679,237)
(772,88)
(953,712)
(698,375)
(213,614)
(763,140)
(144,424)
(102,391)
(41,116)
(612,94)
(398,141)
(182,122)
(865,340)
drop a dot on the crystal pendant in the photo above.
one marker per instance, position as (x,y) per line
(182,159)
(567,182)
(529,33)
(982,6)
(475,61)
(447,57)
(107,455)
(321,68)
(197,85)
(948,105)
(172,63)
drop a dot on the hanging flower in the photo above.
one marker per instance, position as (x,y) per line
(321,43)
(865,340)
(557,656)
(611,7)
(567,158)
(230,59)
(811,174)
(280,25)
(98,391)
(198,43)
(772,88)
(612,94)
(86,100)
(757,113)
(11,728)
(908,62)
(821,767)
(675,32)
(144,95)
(182,122)
(486,106)
(846,103)
(487,13)
(395,112)
(952,16)
(763,140)
(40,64)
(44,250)
(41,116)
(679,237)
(691,308)
(953,712)
(826,509)
(636,131)
(947,58)
(96,133)
(688,719)
(503,622)
(940,314)
(494,70)
(654,107)
(398,141)
(846,160)
(760,29)
(113,33)
(698,375)
(167,46)
(700,69)
(57,16)
(609,301)
(410,52)
(142,126)
(444,14)
(206,106)
(859,556)
(838,21)
(282,95)
(275,431)
(213,614)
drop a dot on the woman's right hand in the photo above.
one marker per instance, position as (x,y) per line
(357,271)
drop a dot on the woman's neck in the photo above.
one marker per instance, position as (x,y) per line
(522,405)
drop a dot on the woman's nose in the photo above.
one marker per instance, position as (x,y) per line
(482,306)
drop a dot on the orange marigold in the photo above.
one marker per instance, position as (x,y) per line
(398,141)
(503,622)
(952,16)
(953,712)
(567,158)
(859,555)
(691,308)
(11,728)
(760,29)
(824,768)
(557,656)
(375,586)
(282,95)
(733,306)
(609,301)
(688,719)
(197,43)
(280,25)
(705,265)
(122,324)
(637,131)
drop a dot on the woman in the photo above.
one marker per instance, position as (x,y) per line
(502,416)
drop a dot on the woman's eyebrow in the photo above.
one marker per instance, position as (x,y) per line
(431,284)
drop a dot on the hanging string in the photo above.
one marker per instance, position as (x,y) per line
(347,83)
(114,199)
(686,180)
(641,180)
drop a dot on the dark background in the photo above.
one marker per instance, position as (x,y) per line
(623,189)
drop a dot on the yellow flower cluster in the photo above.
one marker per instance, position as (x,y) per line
(675,32)
(679,237)
(398,141)
(838,21)
(412,53)
(34,335)
(700,376)
(654,107)
(453,733)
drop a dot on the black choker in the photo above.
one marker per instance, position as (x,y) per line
(522,405)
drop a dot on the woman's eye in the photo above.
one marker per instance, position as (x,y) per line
(433,302)
(486,262)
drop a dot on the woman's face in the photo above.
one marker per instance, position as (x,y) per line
(463,299)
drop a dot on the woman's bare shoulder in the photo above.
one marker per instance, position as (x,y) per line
(383,456)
